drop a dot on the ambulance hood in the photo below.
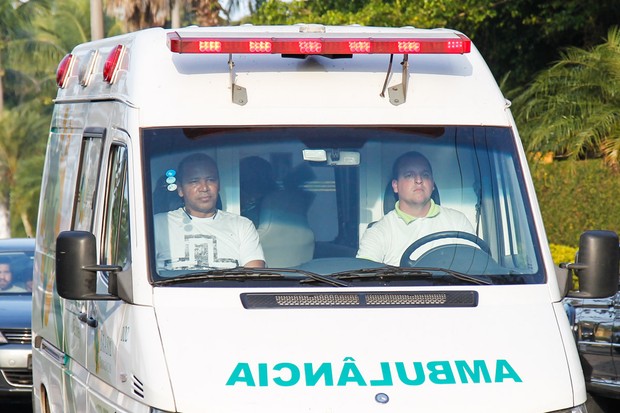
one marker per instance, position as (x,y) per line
(501,354)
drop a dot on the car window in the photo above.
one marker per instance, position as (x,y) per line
(16,272)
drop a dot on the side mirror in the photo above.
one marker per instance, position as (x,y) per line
(76,266)
(597,265)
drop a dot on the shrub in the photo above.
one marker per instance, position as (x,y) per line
(576,196)
(564,253)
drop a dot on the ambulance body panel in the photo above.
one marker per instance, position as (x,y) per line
(318,366)
(474,325)
(185,81)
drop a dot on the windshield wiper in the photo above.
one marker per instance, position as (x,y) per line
(244,273)
(407,273)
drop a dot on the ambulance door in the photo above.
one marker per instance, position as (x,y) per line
(114,248)
(77,321)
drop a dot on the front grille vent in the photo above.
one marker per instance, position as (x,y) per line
(361,299)
(18,377)
(17,335)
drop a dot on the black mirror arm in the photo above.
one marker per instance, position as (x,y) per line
(573,266)
(111,268)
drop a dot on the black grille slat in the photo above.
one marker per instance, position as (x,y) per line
(361,299)
(17,335)
(302,300)
(18,377)
(407,299)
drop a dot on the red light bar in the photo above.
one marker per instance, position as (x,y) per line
(64,70)
(320,45)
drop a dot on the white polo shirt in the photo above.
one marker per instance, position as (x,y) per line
(388,238)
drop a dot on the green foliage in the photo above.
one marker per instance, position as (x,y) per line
(517,37)
(524,36)
(564,253)
(573,108)
(23,133)
(20,55)
(419,13)
(575,197)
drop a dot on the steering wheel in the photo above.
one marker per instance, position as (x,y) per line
(405,261)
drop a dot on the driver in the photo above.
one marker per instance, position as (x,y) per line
(415,214)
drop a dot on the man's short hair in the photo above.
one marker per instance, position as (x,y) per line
(194,158)
(408,155)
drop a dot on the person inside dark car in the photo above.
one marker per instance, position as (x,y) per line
(6,277)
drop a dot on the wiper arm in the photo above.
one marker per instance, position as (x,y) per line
(241,273)
(233,274)
(409,272)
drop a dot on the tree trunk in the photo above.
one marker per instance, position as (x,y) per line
(1,88)
(175,18)
(5,220)
(96,19)
(27,225)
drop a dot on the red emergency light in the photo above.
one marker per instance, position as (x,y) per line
(456,44)
(65,67)
(112,64)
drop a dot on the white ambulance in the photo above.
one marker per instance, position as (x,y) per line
(304,124)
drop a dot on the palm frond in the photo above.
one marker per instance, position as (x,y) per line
(573,107)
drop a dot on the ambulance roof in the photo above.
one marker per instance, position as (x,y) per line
(301,74)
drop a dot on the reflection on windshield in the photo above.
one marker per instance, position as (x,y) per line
(317,199)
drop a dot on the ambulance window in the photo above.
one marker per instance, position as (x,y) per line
(314,192)
(88,175)
(116,236)
(61,175)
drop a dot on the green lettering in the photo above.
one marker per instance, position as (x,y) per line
(313,377)
(479,369)
(387,376)
(294,373)
(350,374)
(241,374)
(503,370)
(419,374)
(263,377)
(440,372)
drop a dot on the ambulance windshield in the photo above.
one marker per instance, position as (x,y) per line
(362,201)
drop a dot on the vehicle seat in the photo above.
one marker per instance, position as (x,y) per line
(163,199)
(284,232)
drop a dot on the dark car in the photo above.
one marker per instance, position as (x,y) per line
(16,259)
(596,326)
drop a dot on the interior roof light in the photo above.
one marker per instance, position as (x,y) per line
(64,70)
(112,64)
(454,44)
